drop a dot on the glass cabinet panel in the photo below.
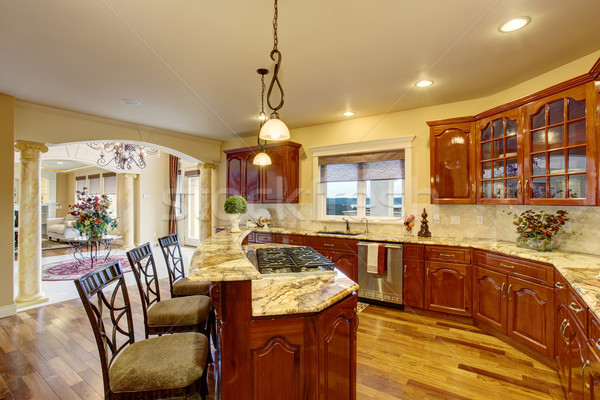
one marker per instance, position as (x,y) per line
(557,149)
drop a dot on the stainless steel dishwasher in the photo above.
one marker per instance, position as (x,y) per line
(386,287)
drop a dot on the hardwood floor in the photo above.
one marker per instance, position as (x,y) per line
(49,353)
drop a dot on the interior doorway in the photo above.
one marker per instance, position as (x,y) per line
(191,211)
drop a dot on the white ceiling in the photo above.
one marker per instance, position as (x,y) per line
(193,64)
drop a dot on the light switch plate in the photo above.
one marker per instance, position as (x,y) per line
(480,219)
(146,195)
(436,219)
(454,220)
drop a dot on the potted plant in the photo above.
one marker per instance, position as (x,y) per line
(235,206)
(536,229)
(92,218)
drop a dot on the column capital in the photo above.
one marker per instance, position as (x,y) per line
(132,176)
(206,165)
(23,145)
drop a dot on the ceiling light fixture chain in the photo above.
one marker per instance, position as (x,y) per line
(275,52)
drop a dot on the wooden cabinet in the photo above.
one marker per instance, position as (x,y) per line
(452,161)
(285,238)
(345,262)
(531,314)
(275,183)
(500,159)
(489,298)
(337,351)
(448,288)
(413,285)
(343,253)
(255,237)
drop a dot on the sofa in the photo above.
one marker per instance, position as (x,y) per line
(61,228)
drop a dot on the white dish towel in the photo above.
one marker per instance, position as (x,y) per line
(372,252)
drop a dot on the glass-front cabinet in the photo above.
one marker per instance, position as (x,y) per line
(559,143)
(499,154)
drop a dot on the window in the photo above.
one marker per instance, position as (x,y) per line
(79,184)
(363,184)
(110,189)
(94,188)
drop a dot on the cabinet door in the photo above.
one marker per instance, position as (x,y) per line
(452,164)
(559,148)
(561,340)
(489,298)
(234,175)
(591,374)
(273,185)
(500,155)
(337,351)
(576,360)
(531,315)
(346,262)
(252,184)
(414,282)
(448,288)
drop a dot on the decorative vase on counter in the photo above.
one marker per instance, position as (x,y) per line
(535,243)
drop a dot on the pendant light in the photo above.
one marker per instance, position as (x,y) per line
(274,128)
(262,158)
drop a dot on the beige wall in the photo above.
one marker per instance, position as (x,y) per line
(404,123)
(153,210)
(7,137)
(63,195)
(54,126)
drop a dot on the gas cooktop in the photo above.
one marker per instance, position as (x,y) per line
(284,260)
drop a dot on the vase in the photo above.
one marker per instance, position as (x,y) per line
(539,244)
(235,222)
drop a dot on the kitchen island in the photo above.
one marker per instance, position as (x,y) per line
(291,337)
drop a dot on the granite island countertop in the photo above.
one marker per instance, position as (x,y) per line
(223,258)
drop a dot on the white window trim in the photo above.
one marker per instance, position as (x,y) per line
(399,143)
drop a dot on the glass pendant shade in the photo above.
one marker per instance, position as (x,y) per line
(274,129)
(262,158)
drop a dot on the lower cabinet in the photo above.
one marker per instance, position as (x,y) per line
(413,285)
(520,309)
(448,288)
(345,262)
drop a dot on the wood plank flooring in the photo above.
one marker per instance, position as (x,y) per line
(49,353)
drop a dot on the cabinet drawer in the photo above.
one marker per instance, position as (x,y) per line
(531,270)
(327,243)
(577,309)
(264,237)
(459,255)
(414,251)
(285,238)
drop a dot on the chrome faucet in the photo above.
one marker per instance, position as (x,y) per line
(347,224)
(367,221)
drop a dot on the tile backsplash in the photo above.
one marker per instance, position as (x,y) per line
(580,234)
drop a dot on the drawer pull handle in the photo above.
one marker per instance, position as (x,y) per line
(446,255)
(507,266)
(327,244)
(562,333)
(519,188)
(573,306)
(559,285)
(502,290)
(587,363)
(508,292)
(427,274)
(597,343)
(404,269)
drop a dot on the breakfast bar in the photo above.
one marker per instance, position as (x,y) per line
(291,332)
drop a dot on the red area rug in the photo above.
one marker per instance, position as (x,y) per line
(70,270)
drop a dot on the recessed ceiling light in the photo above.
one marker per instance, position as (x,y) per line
(59,162)
(514,24)
(348,113)
(424,83)
(130,102)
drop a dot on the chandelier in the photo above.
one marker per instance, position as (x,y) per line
(274,128)
(124,155)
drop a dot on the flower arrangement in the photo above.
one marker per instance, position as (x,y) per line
(92,217)
(536,229)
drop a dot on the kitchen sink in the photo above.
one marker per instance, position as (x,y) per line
(341,233)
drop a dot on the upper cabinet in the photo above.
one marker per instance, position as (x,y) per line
(452,160)
(275,183)
(538,150)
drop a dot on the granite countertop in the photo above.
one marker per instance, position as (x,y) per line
(581,270)
(222,258)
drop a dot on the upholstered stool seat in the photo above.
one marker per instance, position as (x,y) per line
(186,287)
(166,362)
(190,310)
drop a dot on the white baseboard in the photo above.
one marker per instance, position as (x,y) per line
(7,311)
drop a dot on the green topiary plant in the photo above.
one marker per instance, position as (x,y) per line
(236,205)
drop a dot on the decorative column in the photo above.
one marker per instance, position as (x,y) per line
(127,227)
(30,225)
(206,199)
